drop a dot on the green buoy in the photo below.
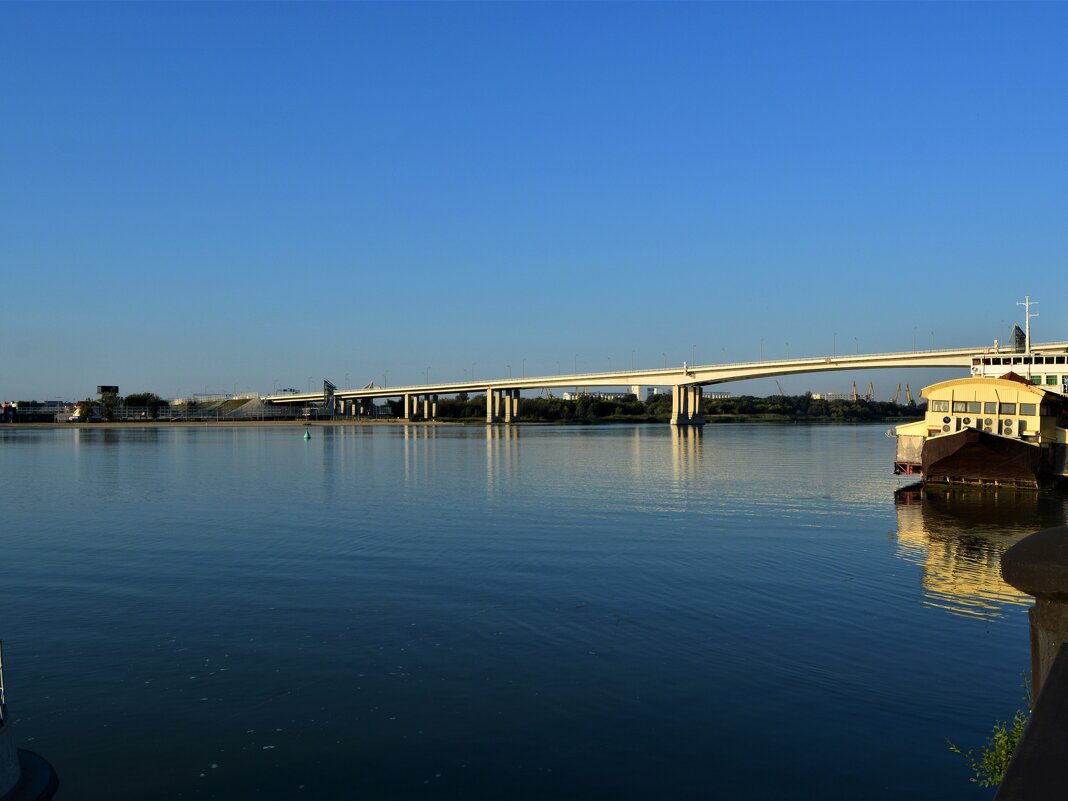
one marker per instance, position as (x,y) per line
(307,435)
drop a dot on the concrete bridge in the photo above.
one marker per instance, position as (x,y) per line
(419,401)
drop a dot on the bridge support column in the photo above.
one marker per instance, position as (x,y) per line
(410,407)
(427,414)
(686,405)
(514,402)
(433,407)
(493,405)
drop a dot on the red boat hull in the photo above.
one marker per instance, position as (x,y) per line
(971,456)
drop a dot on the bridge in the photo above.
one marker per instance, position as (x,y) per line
(419,401)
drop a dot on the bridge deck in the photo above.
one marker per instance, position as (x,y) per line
(682,375)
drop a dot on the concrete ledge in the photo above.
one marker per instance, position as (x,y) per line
(1038,565)
(1037,769)
(38,781)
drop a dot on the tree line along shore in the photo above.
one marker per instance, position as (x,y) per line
(148,408)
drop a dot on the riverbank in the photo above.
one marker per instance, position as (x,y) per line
(710,419)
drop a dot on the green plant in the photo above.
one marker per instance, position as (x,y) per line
(990,762)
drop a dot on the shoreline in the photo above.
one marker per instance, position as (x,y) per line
(709,420)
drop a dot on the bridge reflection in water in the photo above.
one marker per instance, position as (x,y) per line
(958,536)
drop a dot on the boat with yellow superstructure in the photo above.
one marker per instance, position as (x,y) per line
(1005,425)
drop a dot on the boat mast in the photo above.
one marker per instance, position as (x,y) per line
(1027,303)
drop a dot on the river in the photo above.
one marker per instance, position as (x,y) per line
(537,612)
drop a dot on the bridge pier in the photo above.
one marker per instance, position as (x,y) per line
(430,407)
(502,405)
(411,407)
(686,405)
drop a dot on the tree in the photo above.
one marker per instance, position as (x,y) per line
(149,401)
(108,402)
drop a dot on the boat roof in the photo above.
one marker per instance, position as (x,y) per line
(1007,381)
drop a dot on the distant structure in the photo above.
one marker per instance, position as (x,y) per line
(570,396)
(24,776)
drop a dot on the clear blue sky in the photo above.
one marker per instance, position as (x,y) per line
(200,197)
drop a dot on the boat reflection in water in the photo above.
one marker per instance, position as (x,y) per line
(957,536)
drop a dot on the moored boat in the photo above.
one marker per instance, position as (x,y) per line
(981,430)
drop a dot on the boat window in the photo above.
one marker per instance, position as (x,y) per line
(1036,379)
(974,407)
(1028,408)
(960,406)
(1060,360)
(990,407)
(939,406)
(1008,408)
(1051,379)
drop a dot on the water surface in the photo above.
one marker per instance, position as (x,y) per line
(390,612)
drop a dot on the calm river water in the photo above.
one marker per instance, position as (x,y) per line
(594,613)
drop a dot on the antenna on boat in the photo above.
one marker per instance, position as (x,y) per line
(1027,303)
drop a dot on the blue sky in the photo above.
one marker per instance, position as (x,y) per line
(203,197)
